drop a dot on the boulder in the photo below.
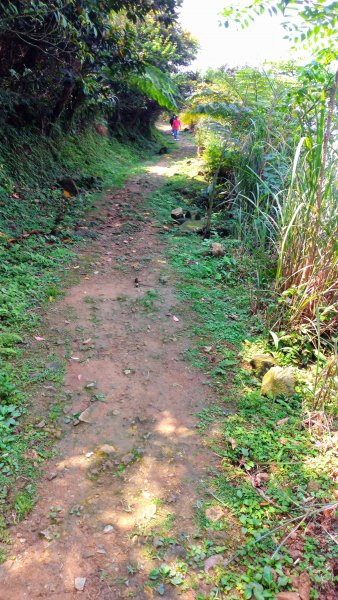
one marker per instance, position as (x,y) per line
(279,381)
(177,213)
(217,249)
(261,363)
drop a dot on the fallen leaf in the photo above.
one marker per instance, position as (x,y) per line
(66,194)
(328,515)
(207,349)
(38,338)
(149,592)
(212,562)
(74,358)
(232,442)
(15,195)
(288,596)
(176,319)
(304,586)
(87,341)
(283,441)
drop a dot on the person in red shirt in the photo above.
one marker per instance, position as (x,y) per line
(176,127)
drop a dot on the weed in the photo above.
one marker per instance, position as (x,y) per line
(24,502)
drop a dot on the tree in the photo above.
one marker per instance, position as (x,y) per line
(62,54)
(314,21)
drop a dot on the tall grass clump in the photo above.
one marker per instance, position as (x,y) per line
(307,270)
(277,181)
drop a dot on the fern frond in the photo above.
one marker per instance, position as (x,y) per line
(156,85)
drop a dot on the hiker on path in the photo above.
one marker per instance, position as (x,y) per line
(176,127)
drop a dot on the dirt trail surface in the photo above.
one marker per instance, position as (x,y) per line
(130,470)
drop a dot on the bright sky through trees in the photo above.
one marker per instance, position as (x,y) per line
(262,41)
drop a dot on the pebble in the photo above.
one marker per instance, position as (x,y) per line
(79,583)
(90,385)
(52,475)
(106,449)
(108,529)
(40,425)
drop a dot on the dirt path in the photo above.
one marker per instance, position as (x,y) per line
(131,473)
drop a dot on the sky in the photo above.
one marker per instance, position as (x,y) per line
(262,41)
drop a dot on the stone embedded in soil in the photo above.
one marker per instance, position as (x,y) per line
(91,385)
(212,562)
(51,475)
(279,381)
(40,425)
(91,414)
(79,583)
(175,552)
(107,449)
(108,529)
(177,213)
(261,363)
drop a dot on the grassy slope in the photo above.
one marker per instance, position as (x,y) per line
(254,435)
(32,275)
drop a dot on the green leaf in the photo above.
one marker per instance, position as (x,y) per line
(268,575)
(156,85)
(160,589)
(154,574)
(177,580)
